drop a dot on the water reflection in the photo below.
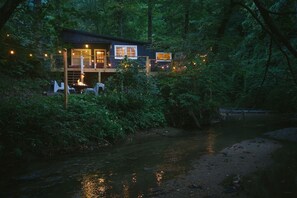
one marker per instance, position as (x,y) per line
(159,177)
(130,170)
(126,190)
(93,186)
(211,137)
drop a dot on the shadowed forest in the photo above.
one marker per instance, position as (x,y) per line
(239,54)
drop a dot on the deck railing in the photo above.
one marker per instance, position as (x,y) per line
(143,62)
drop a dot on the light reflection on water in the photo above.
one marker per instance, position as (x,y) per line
(129,170)
(211,137)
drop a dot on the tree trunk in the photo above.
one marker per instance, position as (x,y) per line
(221,30)
(150,21)
(37,27)
(192,114)
(120,16)
(273,28)
(187,4)
(7,9)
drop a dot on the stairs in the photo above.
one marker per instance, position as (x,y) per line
(73,76)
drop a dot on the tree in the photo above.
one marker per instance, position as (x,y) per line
(150,20)
(7,9)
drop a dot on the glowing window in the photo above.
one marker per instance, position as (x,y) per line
(125,50)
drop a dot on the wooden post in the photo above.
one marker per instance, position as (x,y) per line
(82,69)
(65,79)
(147,65)
(99,76)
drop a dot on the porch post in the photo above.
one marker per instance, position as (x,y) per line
(99,76)
(65,79)
(82,69)
(147,65)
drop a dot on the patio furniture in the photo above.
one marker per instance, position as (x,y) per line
(57,87)
(96,89)
(72,89)
(80,87)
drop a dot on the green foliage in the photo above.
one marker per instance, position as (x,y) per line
(35,124)
(198,90)
(135,97)
(41,124)
(234,73)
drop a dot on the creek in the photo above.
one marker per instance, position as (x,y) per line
(132,168)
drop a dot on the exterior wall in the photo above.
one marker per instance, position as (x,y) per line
(92,47)
(78,39)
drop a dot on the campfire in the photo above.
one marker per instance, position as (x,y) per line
(81,80)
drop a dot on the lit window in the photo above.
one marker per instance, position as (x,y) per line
(125,50)
(77,53)
(163,57)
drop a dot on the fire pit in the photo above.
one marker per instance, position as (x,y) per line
(80,87)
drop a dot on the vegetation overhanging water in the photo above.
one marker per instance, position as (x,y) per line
(133,168)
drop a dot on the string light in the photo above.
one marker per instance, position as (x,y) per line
(45,55)
(87,46)
(12,52)
(60,51)
(203,55)
(8,35)
(30,55)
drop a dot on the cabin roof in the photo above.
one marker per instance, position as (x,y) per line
(78,36)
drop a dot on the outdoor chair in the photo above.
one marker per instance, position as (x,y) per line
(96,89)
(69,88)
(57,87)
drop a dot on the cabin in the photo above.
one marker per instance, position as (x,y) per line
(93,58)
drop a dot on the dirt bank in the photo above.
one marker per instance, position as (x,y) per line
(210,171)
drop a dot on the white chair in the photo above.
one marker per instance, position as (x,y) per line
(57,87)
(69,88)
(96,89)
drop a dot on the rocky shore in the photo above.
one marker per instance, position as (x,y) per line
(219,175)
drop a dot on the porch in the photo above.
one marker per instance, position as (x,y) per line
(92,69)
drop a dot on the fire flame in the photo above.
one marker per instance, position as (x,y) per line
(80,81)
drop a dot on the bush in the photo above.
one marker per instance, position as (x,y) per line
(192,96)
(39,125)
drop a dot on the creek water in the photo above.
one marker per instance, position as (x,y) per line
(130,169)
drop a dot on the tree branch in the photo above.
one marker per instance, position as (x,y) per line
(269,22)
(7,9)
(267,62)
(275,39)
(289,64)
(281,13)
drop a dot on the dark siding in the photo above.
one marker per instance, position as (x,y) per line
(78,39)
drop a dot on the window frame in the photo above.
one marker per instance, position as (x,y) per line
(169,59)
(80,49)
(104,56)
(125,47)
